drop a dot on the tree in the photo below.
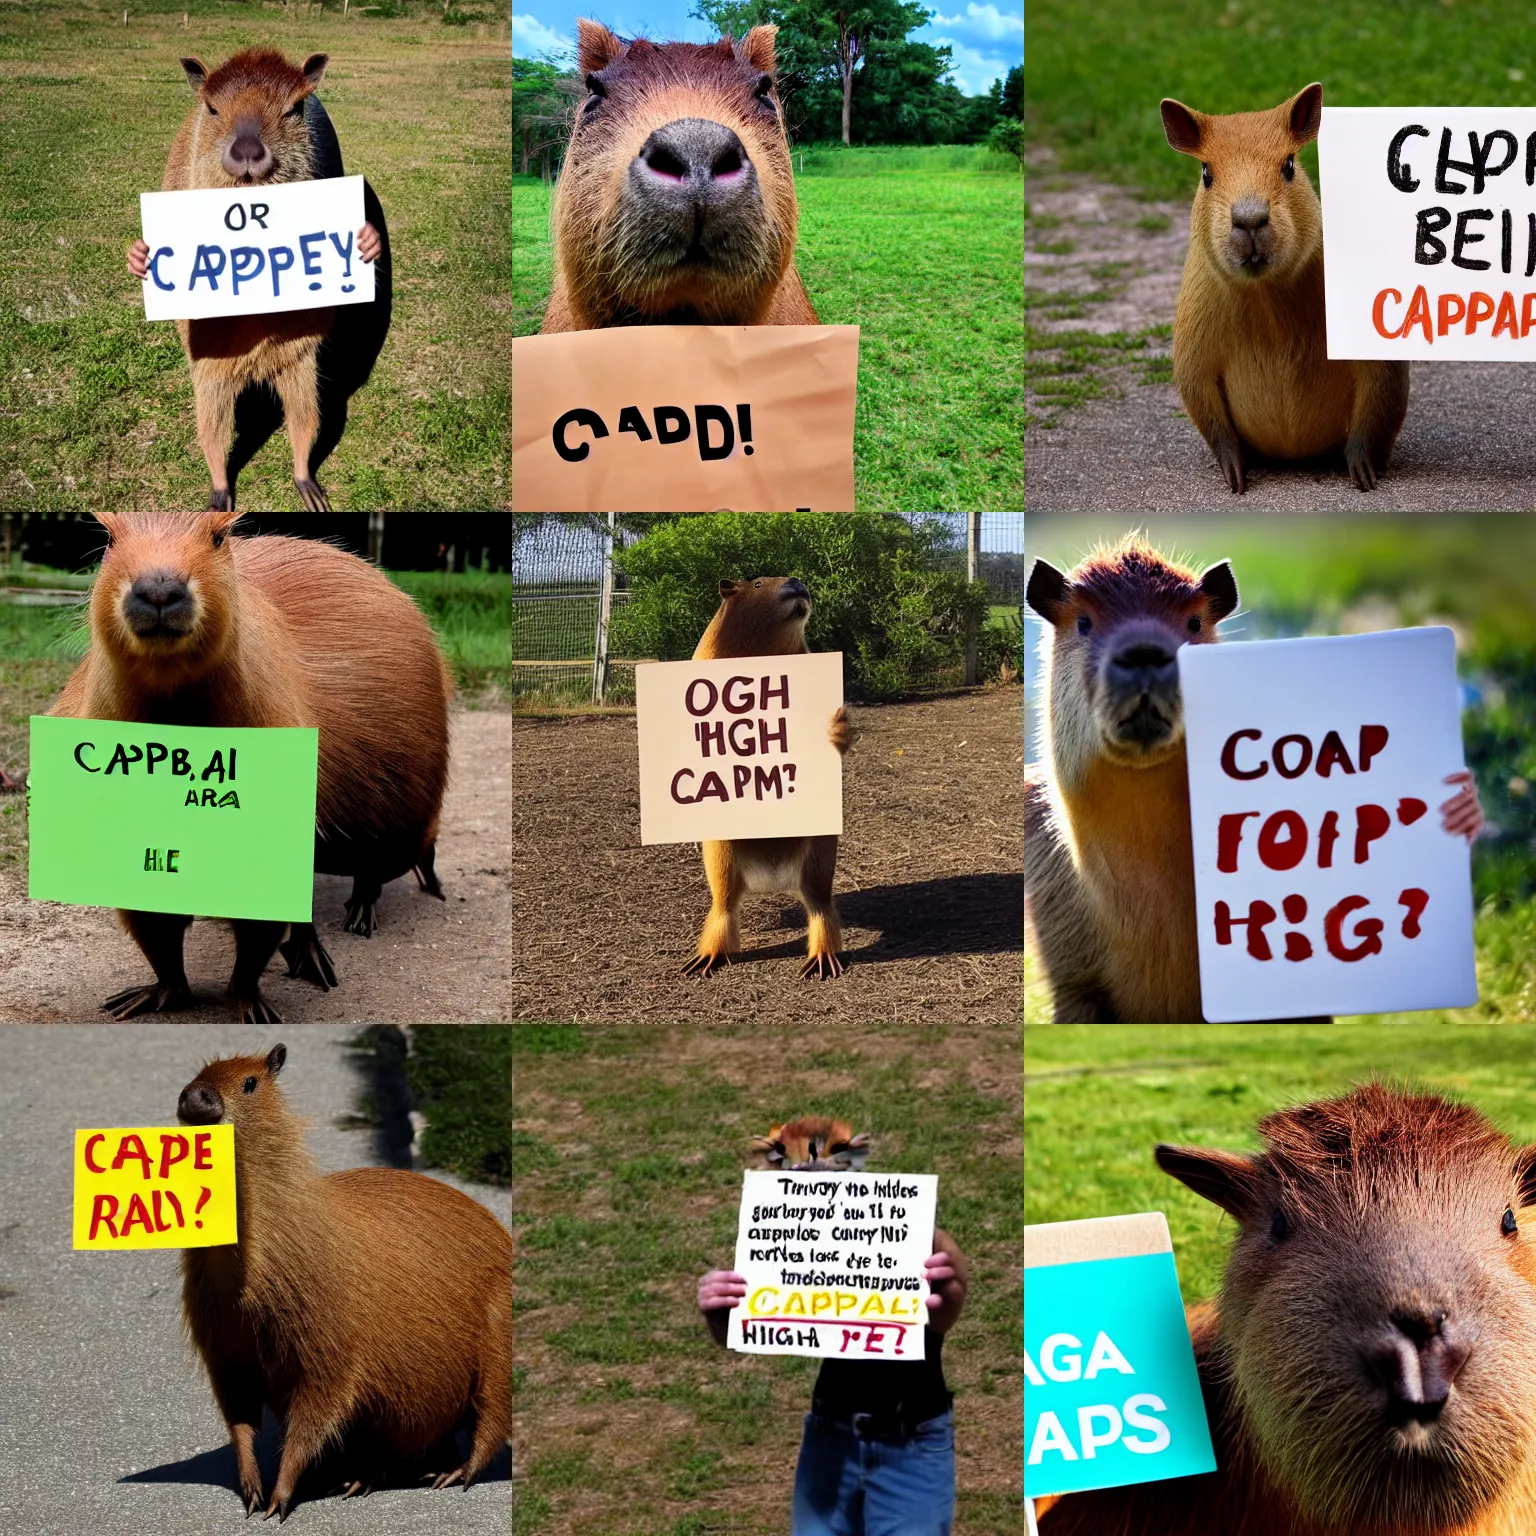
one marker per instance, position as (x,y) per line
(542,97)
(1011,98)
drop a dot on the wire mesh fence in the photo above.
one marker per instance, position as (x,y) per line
(566,594)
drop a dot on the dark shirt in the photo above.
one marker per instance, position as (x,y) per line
(886,1389)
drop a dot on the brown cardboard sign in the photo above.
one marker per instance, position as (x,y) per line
(685,418)
(739,748)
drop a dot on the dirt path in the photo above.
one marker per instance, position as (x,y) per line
(428,961)
(1103,261)
(929,880)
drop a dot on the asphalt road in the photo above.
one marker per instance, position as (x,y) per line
(107,1425)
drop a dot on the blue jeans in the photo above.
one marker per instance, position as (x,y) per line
(846,1486)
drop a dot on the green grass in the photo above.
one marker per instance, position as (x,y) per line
(1097,72)
(883,159)
(97,402)
(1098,1098)
(927,262)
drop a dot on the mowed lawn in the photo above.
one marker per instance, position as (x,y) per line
(96,404)
(1098,1098)
(928,262)
(628,1147)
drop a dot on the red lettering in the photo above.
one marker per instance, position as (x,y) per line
(160,1225)
(1260,915)
(1409,810)
(1328,835)
(1448,315)
(202,1155)
(91,1141)
(1377,314)
(1297,945)
(1506,320)
(1371,823)
(1279,756)
(168,1142)
(103,1214)
(1229,757)
(1332,751)
(1372,739)
(170,1195)
(1287,854)
(1368,931)
(1229,833)
(137,1213)
(1527,314)
(1415,900)
(1418,314)
(1481,309)
(132,1149)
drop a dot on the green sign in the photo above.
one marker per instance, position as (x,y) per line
(1111,1392)
(173,818)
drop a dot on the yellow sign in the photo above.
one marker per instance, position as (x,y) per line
(155,1186)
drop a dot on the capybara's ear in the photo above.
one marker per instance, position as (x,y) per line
(1047,590)
(112,523)
(1223,1178)
(729,588)
(1183,127)
(756,49)
(196,73)
(1220,588)
(596,46)
(767,1150)
(1305,113)
(314,69)
(858,1149)
(275,1059)
(1525,1175)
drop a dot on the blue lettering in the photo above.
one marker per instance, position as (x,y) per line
(246,263)
(202,266)
(281,260)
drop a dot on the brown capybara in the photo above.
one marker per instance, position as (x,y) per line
(257,123)
(374,1303)
(1250,344)
(766,617)
(812,1144)
(1370,1367)
(1109,870)
(676,203)
(193,625)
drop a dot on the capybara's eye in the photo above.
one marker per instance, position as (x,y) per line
(764,91)
(249,1086)
(1288,170)
(1278,1228)
(1205,174)
(211,112)
(1194,625)
(1084,624)
(218,540)
(1509,1226)
(599,93)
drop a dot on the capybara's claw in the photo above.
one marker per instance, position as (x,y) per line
(312,494)
(360,919)
(705,965)
(822,967)
(448,1479)
(221,501)
(161,997)
(1362,471)
(255,1009)
(357,1489)
(307,957)
(427,880)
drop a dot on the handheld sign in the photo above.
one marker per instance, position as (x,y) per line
(685,418)
(153,1186)
(834,1264)
(173,818)
(739,748)
(1324,881)
(1429,232)
(254,250)
(1111,1392)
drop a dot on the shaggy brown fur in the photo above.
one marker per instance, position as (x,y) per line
(1250,346)
(275,632)
(616,261)
(1369,1368)
(766,617)
(813,1143)
(1109,873)
(375,1303)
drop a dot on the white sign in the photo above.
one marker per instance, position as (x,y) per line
(1324,880)
(1429,232)
(739,747)
(834,1264)
(254,250)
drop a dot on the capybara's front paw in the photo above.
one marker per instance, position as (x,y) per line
(822,967)
(1358,458)
(360,918)
(706,963)
(221,500)
(252,1008)
(253,1494)
(448,1479)
(161,997)
(841,732)
(312,494)
(1229,456)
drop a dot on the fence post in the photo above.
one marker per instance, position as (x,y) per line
(604,613)
(972,560)
(376,537)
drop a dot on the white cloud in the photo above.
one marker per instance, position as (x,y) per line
(974,69)
(531,39)
(984,21)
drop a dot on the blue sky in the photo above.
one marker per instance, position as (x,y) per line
(985,39)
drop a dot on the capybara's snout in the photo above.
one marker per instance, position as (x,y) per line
(796,594)
(1415,1356)
(693,195)
(1141,681)
(199,1104)
(246,155)
(1252,237)
(159,603)
(696,158)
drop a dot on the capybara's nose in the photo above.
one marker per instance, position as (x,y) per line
(794,587)
(698,153)
(158,600)
(1416,1359)
(247,153)
(1143,667)
(1250,214)
(199,1104)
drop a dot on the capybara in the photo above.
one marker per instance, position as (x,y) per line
(193,625)
(1370,1367)
(812,1144)
(374,1304)
(1109,870)
(766,617)
(676,203)
(1250,344)
(257,123)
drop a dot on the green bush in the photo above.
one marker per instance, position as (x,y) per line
(879,592)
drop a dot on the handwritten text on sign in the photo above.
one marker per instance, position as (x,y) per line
(685,418)
(739,748)
(1429,227)
(254,250)
(161,818)
(834,1264)
(1324,880)
(155,1187)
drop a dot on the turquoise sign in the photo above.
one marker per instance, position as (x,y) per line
(1111,1393)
